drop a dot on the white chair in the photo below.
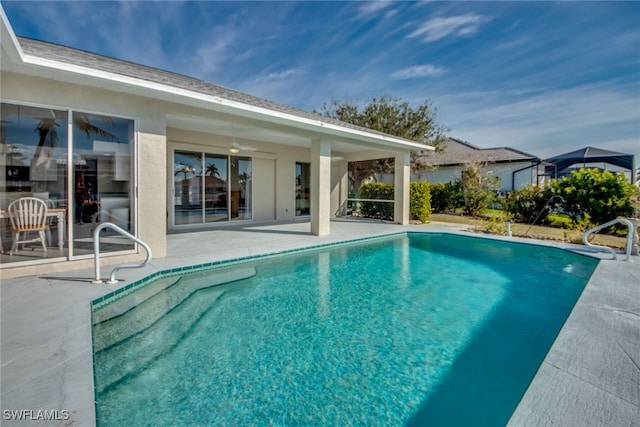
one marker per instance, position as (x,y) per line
(28,215)
(44,195)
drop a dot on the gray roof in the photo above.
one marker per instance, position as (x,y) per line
(458,152)
(90,60)
(587,153)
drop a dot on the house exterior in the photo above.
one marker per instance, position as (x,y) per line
(101,139)
(514,168)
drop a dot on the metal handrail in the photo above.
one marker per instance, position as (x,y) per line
(96,250)
(625,221)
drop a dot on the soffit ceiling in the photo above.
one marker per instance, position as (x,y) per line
(250,132)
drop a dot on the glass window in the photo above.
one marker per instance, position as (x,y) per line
(211,188)
(101,169)
(303,188)
(240,178)
(187,170)
(81,187)
(33,163)
(216,188)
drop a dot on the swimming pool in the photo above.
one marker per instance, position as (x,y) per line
(422,329)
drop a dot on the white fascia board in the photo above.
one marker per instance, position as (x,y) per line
(234,107)
(8,38)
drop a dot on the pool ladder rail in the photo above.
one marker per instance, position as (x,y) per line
(96,249)
(632,236)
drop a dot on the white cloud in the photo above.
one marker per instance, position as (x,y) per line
(373,8)
(279,75)
(417,71)
(214,53)
(439,28)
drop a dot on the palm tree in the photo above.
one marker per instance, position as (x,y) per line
(48,135)
(212,170)
(184,169)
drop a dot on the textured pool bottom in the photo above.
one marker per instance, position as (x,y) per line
(375,334)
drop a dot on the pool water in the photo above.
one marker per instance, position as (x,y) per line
(417,329)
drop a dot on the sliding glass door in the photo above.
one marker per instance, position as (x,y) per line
(303,189)
(81,165)
(240,178)
(210,188)
(101,168)
(216,188)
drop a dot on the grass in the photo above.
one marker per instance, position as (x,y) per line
(497,225)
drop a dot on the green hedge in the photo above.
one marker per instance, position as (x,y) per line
(379,210)
(446,196)
(420,201)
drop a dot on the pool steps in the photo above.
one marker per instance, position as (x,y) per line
(140,317)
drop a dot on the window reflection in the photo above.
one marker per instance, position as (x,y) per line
(216,188)
(240,188)
(33,154)
(303,188)
(211,188)
(102,170)
(35,162)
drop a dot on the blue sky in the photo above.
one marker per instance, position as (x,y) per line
(541,77)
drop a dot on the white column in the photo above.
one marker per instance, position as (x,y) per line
(401,188)
(320,187)
(344,189)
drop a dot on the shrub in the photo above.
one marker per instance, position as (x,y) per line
(596,196)
(559,221)
(478,188)
(495,224)
(446,196)
(528,202)
(420,201)
(380,191)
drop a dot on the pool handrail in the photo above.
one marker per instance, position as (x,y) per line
(96,250)
(630,237)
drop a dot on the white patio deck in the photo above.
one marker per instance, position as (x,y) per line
(591,376)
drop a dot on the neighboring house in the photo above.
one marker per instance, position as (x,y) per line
(107,140)
(514,168)
(591,157)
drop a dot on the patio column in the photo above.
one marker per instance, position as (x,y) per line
(401,188)
(320,187)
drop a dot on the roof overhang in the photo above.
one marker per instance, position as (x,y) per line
(231,110)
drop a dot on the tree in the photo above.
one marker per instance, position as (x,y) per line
(212,170)
(185,169)
(394,117)
(48,135)
(478,188)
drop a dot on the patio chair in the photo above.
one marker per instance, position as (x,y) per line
(28,215)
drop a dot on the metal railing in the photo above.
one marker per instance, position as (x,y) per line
(96,250)
(630,236)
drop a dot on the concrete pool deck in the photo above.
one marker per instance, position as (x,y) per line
(591,375)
